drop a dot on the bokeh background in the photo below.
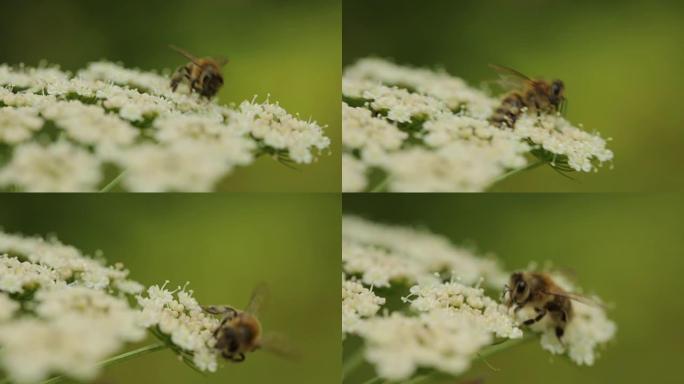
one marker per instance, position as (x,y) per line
(625,247)
(224,245)
(288,49)
(621,61)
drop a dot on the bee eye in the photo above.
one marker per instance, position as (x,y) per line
(556,87)
(520,286)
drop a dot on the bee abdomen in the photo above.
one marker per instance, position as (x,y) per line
(508,112)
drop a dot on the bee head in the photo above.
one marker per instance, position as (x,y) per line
(557,93)
(211,82)
(518,289)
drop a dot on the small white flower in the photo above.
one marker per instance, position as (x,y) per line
(353,174)
(280,130)
(178,315)
(446,340)
(65,261)
(382,253)
(557,136)
(57,167)
(362,129)
(89,124)
(180,166)
(397,104)
(492,316)
(17,125)
(7,307)
(438,84)
(358,302)
(73,319)
(18,276)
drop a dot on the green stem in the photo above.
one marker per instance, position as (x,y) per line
(516,171)
(115,181)
(372,381)
(116,359)
(352,362)
(380,187)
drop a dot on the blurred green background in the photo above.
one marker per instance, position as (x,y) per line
(288,49)
(627,248)
(621,62)
(224,245)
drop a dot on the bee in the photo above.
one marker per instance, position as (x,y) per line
(203,74)
(531,95)
(240,331)
(539,291)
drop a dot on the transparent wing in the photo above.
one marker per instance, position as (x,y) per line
(576,297)
(509,71)
(184,53)
(509,78)
(280,346)
(221,60)
(256,301)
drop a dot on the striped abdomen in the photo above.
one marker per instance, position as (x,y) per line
(509,111)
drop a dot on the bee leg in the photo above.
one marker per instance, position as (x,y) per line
(237,358)
(220,326)
(220,310)
(178,76)
(559,332)
(542,313)
(193,85)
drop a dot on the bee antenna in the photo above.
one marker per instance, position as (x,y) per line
(184,53)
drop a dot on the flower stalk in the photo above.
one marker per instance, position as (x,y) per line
(119,359)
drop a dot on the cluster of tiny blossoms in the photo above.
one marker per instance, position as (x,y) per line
(444,325)
(60,132)
(381,254)
(177,315)
(60,311)
(63,313)
(444,321)
(424,130)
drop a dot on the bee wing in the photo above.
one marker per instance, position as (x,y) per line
(221,61)
(576,297)
(509,78)
(280,346)
(185,54)
(256,301)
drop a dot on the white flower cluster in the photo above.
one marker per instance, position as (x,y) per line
(427,131)
(444,326)
(177,315)
(444,322)
(444,340)
(358,302)
(60,132)
(60,311)
(453,323)
(383,254)
(492,316)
